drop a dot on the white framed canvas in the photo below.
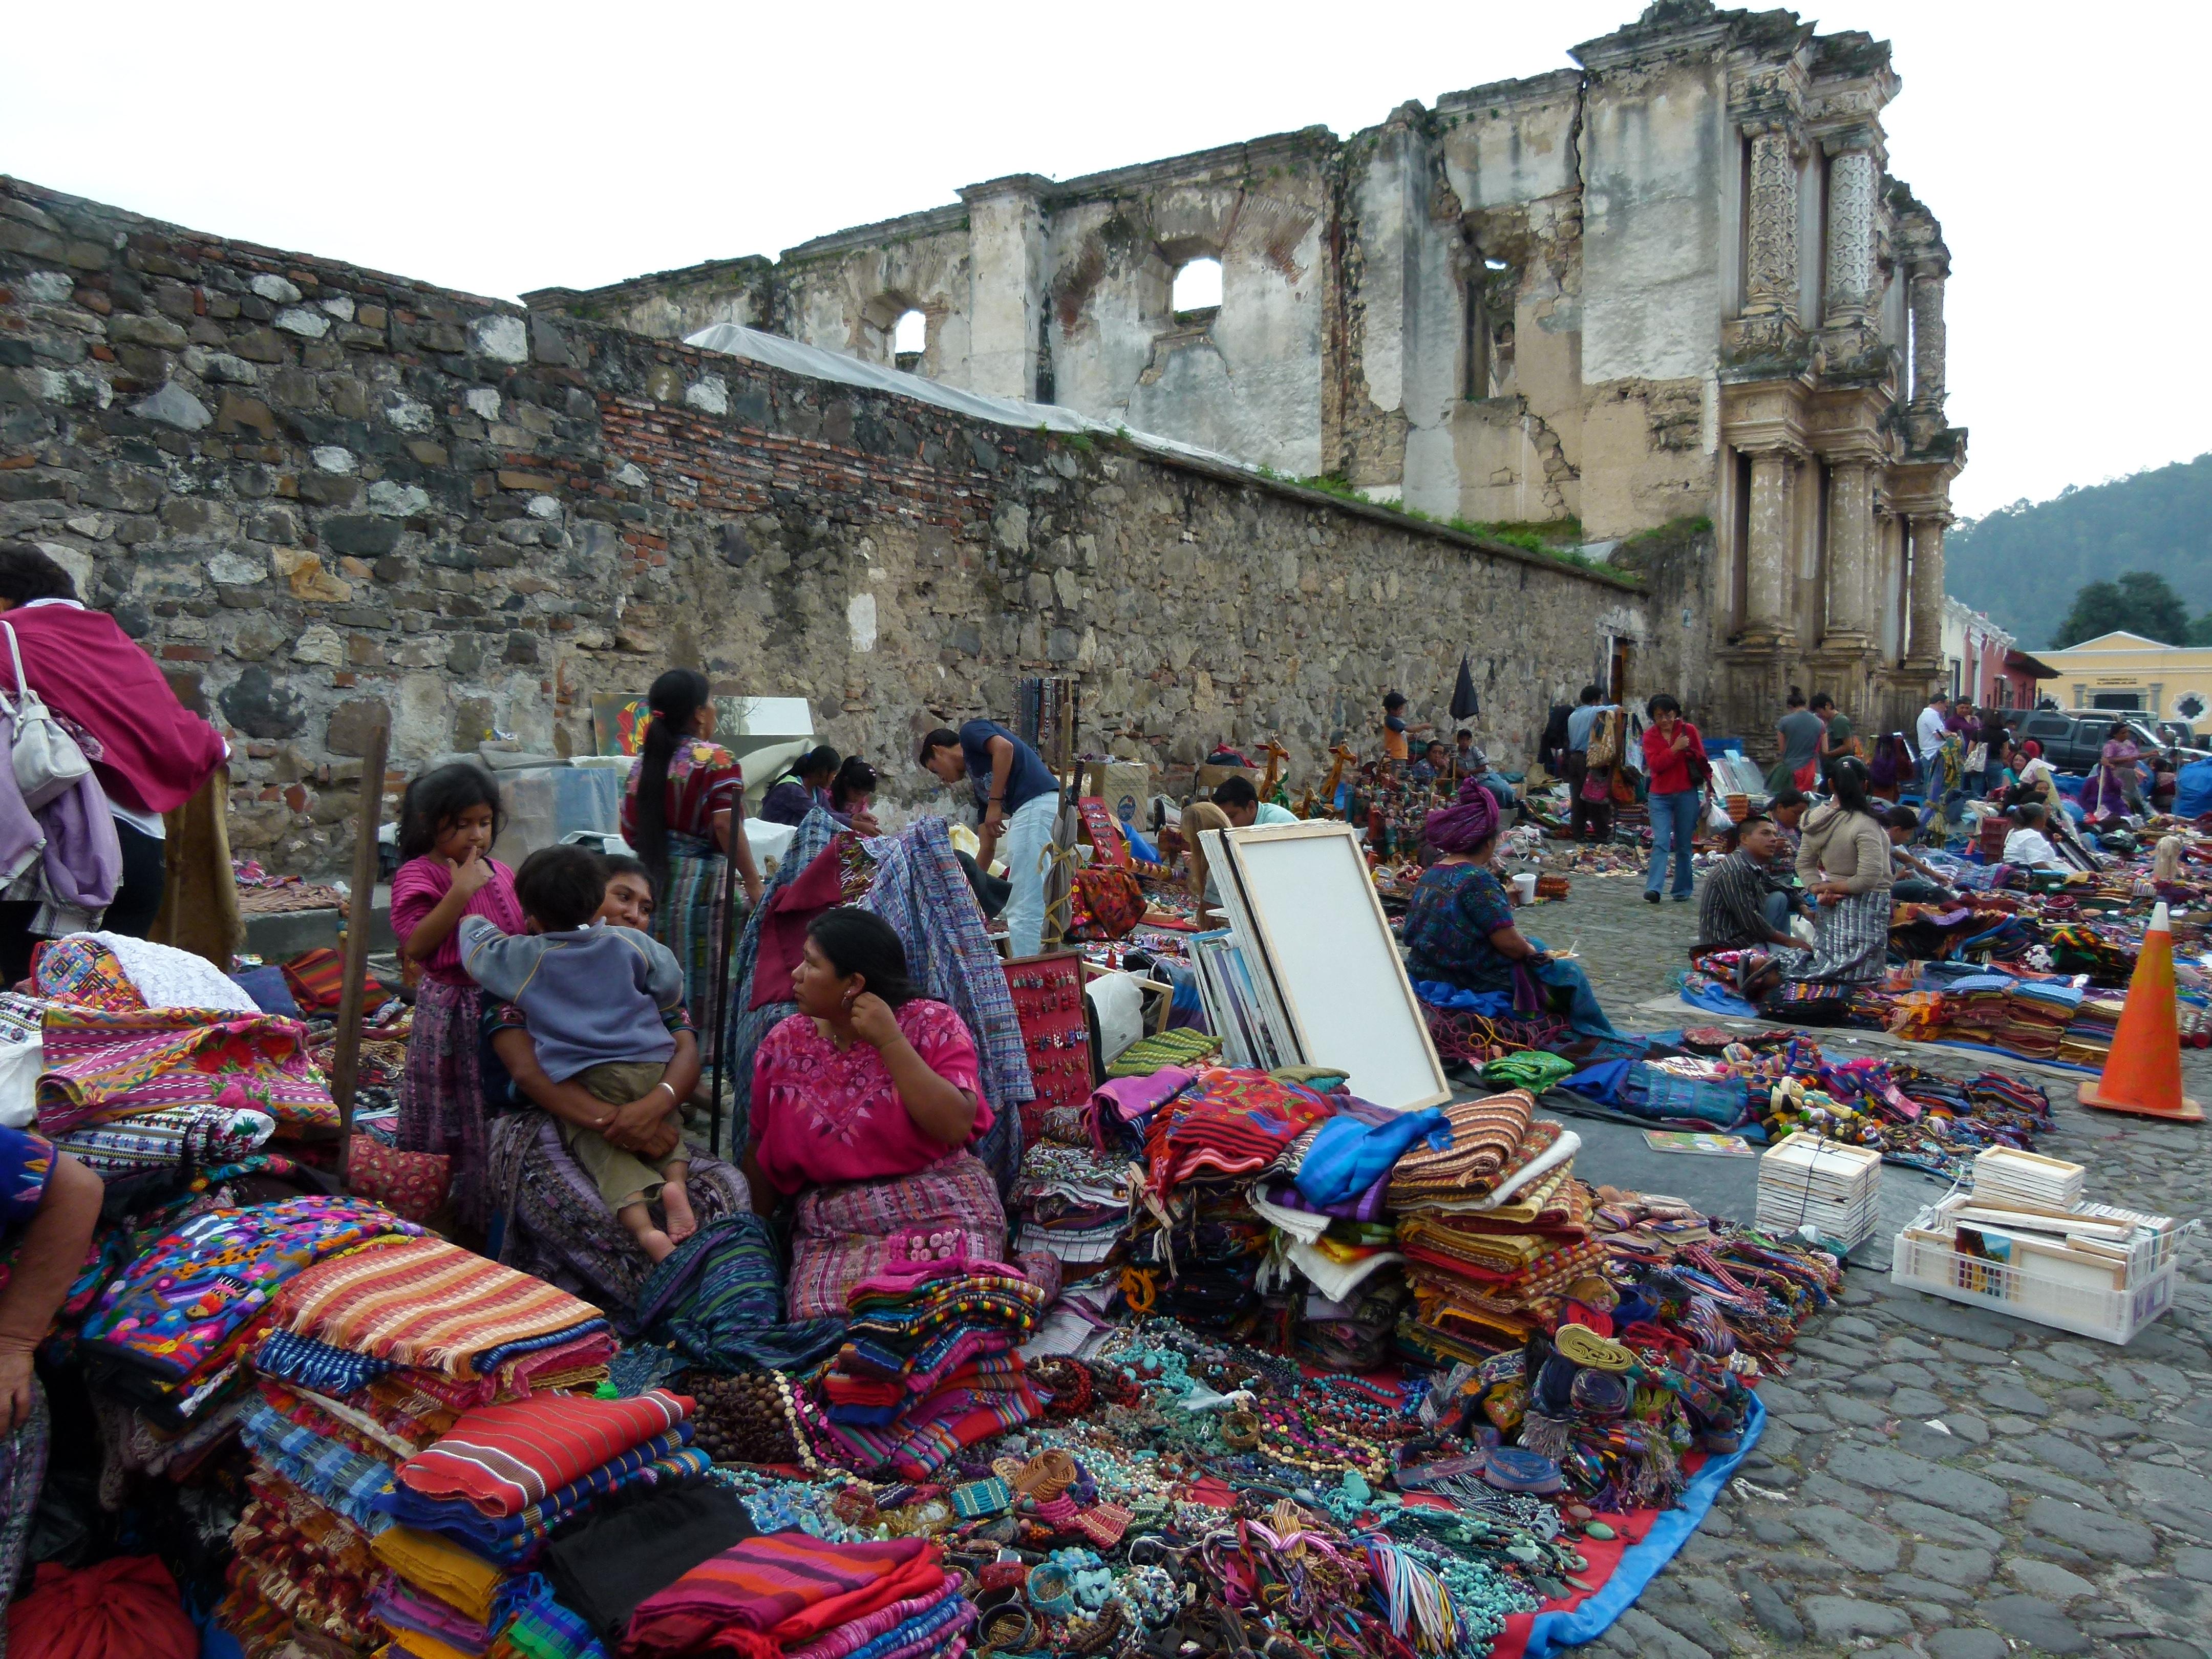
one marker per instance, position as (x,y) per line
(1318,935)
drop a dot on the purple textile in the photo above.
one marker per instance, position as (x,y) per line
(1463,828)
(83,856)
(1125,1099)
(1367,1206)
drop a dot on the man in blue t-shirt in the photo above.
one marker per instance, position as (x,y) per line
(1018,798)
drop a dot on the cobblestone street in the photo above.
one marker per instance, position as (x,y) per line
(1936,1480)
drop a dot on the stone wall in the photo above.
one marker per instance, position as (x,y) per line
(306,487)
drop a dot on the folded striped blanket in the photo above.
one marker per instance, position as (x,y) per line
(513,1540)
(501,1460)
(434,1306)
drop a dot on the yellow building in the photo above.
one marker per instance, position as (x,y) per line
(2123,671)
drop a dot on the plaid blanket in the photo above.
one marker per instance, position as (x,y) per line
(337,1476)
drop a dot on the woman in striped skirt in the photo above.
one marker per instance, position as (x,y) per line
(1843,860)
(684,813)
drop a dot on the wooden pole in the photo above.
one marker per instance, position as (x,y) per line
(720,1011)
(345,1066)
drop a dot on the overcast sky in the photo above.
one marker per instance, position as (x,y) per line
(497,147)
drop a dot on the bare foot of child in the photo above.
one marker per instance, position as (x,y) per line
(675,1201)
(655,1243)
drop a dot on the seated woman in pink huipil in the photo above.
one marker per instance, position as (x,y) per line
(864,1104)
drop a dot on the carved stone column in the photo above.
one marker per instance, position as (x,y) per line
(1768,336)
(1768,560)
(1850,330)
(1927,340)
(1852,555)
(1772,275)
(1925,650)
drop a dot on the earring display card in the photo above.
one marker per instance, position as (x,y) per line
(1049,1002)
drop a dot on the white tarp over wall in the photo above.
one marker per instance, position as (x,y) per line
(733,341)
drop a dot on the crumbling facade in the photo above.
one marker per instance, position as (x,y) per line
(311,489)
(1676,283)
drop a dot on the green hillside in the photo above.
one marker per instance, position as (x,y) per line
(2023,563)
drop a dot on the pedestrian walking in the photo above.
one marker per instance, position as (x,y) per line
(1798,736)
(1594,815)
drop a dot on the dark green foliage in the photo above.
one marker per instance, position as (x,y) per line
(2024,564)
(2139,602)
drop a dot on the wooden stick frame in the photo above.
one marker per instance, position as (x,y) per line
(1235,843)
(345,1063)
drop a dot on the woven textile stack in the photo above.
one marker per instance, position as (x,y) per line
(2037,1014)
(1204,1150)
(1494,1227)
(788,1594)
(152,1060)
(169,1333)
(928,1367)
(386,1356)
(1074,1204)
(2088,1037)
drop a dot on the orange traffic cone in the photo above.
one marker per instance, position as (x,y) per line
(2144,1073)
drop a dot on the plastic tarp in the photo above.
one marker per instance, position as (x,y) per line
(2192,790)
(733,340)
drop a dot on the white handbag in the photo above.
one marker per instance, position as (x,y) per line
(46,760)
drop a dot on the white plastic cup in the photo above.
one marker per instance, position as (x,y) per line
(1524,887)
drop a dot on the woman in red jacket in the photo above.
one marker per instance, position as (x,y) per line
(154,754)
(1674,762)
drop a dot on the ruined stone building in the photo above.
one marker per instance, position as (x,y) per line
(1673,294)
(1678,283)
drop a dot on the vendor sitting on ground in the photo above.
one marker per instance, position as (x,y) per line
(1740,907)
(1844,861)
(1241,804)
(1922,884)
(864,1104)
(1459,930)
(2027,845)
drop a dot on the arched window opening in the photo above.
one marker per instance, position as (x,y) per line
(910,339)
(1197,290)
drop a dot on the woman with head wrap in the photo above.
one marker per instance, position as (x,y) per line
(1460,931)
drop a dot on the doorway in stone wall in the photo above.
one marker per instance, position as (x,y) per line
(1616,689)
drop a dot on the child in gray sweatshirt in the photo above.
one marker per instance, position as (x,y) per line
(592,998)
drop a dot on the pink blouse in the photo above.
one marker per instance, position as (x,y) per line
(820,1116)
(419,884)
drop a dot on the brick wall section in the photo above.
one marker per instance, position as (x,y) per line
(305,486)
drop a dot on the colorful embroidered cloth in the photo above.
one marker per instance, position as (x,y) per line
(502,1459)
(1231,1121)
(103,1064)
(82,971)
(785,1586)
(176,1306)
(434,1306)
(544,1628)
(183,1137)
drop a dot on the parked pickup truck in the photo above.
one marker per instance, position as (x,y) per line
(2075,743)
